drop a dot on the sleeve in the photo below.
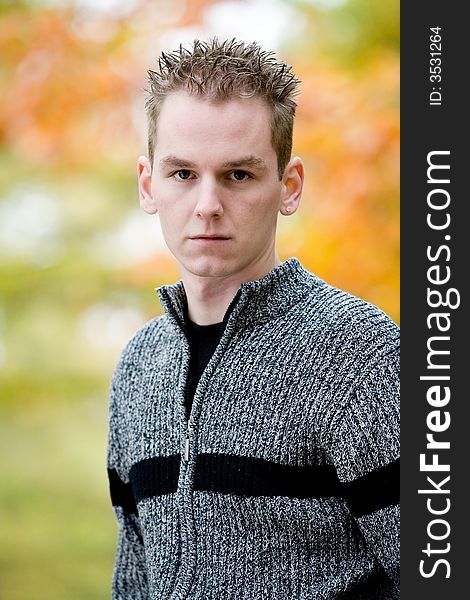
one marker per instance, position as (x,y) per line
(129,575)
(365,449)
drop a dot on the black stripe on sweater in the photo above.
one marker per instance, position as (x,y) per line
(378,489)
(247,476)
(147,478)
(155,476)
(121,493)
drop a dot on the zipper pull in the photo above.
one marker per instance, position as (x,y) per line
(186,449)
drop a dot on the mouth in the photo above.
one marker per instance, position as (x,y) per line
(209,238)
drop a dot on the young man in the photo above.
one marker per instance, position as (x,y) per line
(254,436)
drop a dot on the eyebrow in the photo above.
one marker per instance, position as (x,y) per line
(245,161)
(175,162)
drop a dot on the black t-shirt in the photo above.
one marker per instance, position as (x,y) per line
(203,340)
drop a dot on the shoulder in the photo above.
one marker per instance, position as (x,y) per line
(360,344)
(348,335)
(348,318)
(132,366)
(143,343)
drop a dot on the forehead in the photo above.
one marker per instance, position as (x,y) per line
(197,128)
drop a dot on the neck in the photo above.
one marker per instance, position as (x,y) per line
(209,297)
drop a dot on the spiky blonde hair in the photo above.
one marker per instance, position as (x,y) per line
(221,71)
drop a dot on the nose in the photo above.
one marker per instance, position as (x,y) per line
(209,199)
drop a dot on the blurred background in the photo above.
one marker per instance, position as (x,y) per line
(79,261)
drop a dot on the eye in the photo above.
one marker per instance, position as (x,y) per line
(182,174)
(240,175)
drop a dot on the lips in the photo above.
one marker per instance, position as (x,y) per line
(209,237)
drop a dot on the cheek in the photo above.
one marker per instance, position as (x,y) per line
(171,224)
(262,209)
(257,223)
(169,209)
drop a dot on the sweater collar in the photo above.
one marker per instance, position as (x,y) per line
(255,302)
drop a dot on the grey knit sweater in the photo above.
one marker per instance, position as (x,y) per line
(284,483)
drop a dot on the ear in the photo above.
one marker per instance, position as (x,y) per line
(144,176)
(292,185)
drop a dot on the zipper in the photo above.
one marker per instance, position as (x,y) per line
(186,413)
(188,416)
(183,594)
(186,447)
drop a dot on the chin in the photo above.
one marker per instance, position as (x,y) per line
(209,266)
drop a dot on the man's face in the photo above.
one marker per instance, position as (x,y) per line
(215,184)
